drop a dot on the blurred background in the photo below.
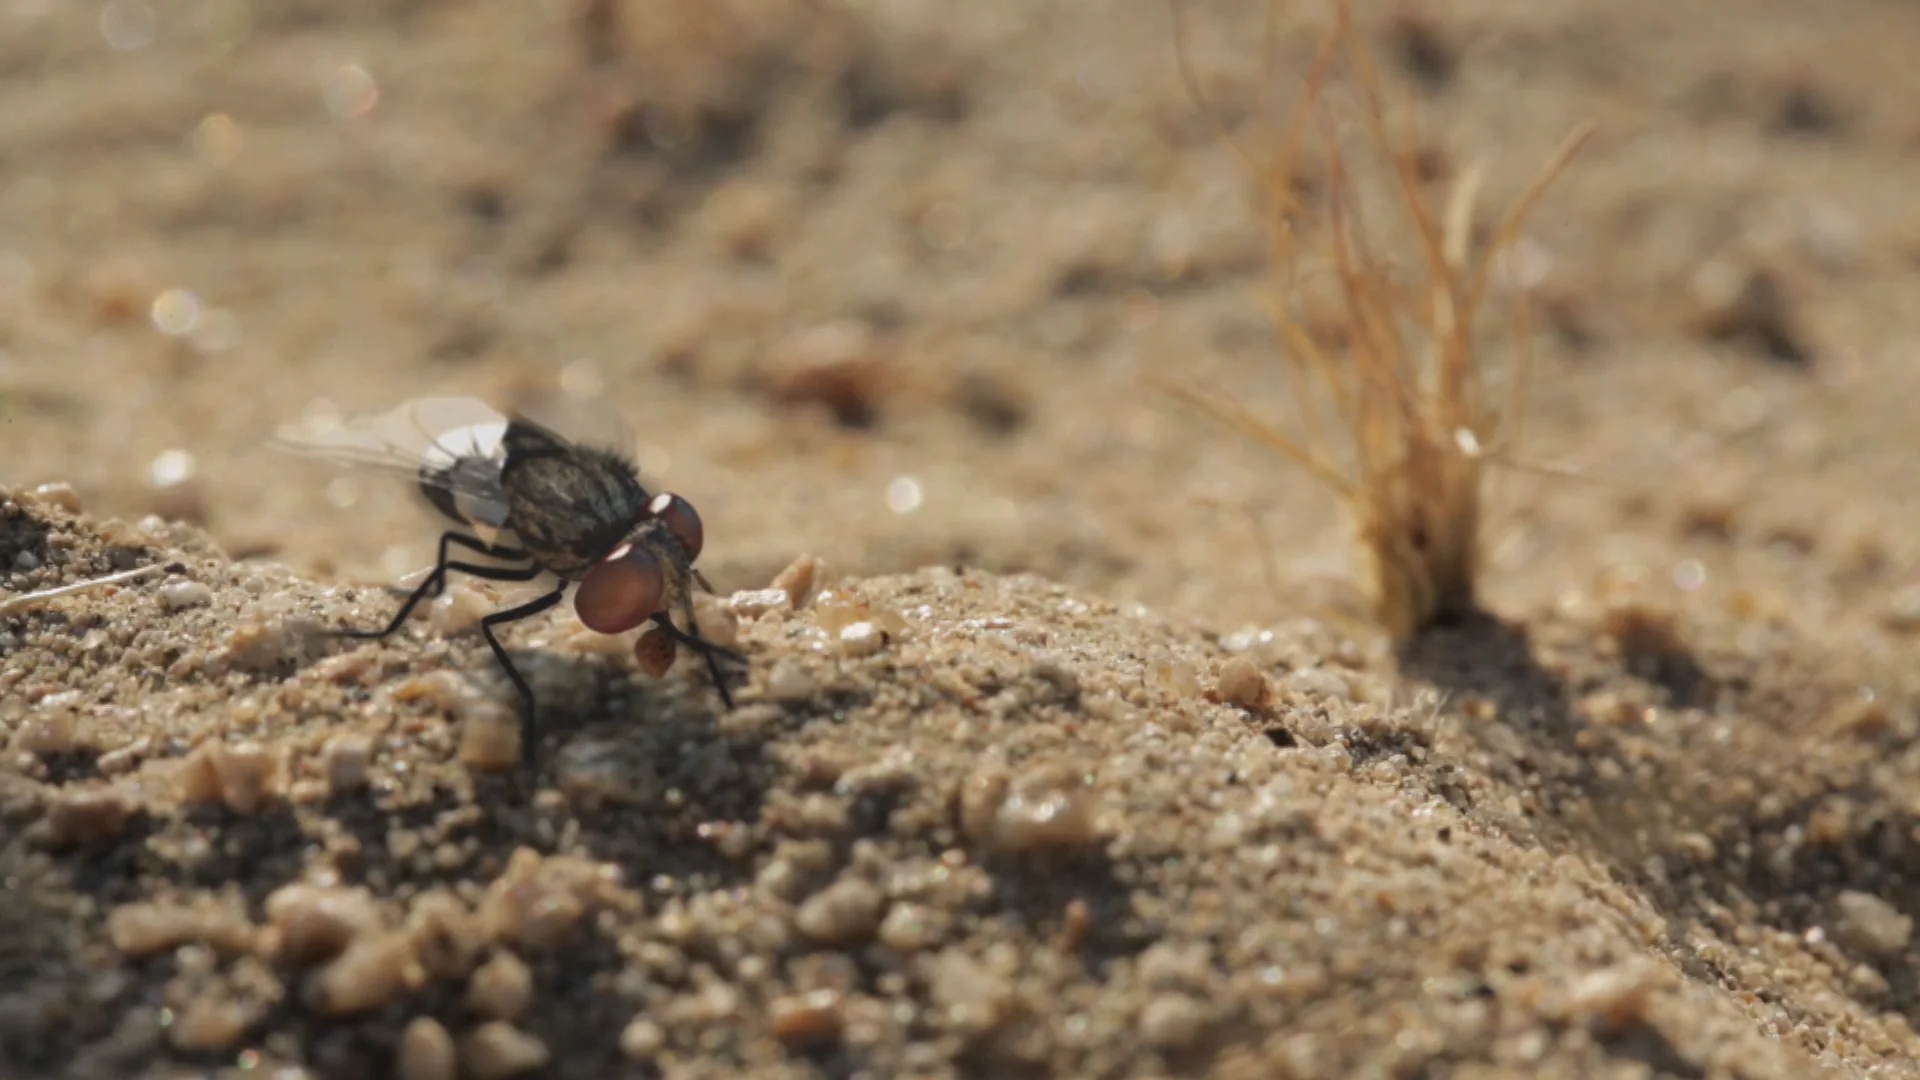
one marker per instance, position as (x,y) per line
(878,280)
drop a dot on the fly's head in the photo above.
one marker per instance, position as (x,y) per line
(646,574)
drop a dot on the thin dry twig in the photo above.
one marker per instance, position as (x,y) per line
(32,599)
(1415,421)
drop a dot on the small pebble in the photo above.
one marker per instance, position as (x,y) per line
(89,816)
(374,971)
(146,929)
(53,731)
(209,1024)
(249,776)
(788,681)
(318,922)
(1046,807)
(195,780)
(1317,685)
(1171,1020)
(1173,675)
(244,777)
(1075,923)
(642,1039)
(447,937)
(1870,923)
(1052,670)
(501,989)
(1613,1000)
(458,610)
(497,1050)
(264,644)
(862,639)
(1242,684)
(973,997)
(489,739)
(347,761)
(537,903)
(806,1019)
(753,603)
(716,621)
(911,928)
(979,799)
(124,759)
(844,913)
(57,494)
(181,595)
(141,929)
(426,1052)
(801,581)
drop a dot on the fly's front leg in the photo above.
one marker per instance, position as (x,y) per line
(691,639)
(529,725)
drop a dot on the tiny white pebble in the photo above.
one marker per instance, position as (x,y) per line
(1319,684)
(180,595)
(862,639)
(458,610)
(716,621)
(347,758)
(56,493)
(789,682)
(753,603)
(643,1039)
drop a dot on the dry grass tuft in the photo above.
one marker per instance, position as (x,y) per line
(1398,414)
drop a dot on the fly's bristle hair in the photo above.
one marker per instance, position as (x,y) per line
(1398,414)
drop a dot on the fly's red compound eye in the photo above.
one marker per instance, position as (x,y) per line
(621,592)
(681,520)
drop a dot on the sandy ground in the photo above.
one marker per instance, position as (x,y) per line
(1051,779)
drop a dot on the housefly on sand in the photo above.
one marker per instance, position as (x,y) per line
(539,504)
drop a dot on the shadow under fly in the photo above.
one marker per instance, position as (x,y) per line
(538,504)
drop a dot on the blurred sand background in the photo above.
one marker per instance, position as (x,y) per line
(876,283)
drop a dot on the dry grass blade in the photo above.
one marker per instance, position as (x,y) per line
(1414,423)
(24,601)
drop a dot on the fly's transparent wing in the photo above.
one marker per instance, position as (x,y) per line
(451,447)
(582,421)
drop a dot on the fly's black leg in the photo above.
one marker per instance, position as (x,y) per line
(529,730)
(436,580)
(471,543)
(436,583)
(702,646)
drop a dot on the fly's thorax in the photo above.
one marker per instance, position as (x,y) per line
(569,535)
(570,506)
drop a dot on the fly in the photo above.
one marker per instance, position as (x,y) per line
(539,504)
